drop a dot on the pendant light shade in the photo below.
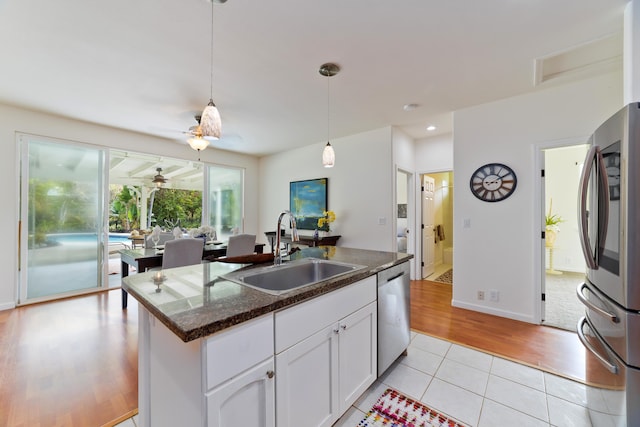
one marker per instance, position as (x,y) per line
(328,155)
(198,143)
(210,123)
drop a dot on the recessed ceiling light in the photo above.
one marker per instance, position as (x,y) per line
(410,107)
(431,128)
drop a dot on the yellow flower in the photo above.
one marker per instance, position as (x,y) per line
(327,218)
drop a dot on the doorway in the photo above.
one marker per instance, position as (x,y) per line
(564,265)
(438,227)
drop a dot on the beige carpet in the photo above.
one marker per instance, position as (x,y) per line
(562,308)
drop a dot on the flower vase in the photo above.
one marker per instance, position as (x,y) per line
(550,237)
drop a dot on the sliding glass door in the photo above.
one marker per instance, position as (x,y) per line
(61,218)
(224,209)
(65,222)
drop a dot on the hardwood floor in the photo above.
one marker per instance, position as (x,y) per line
(550,349)
(69,363)
(74,362)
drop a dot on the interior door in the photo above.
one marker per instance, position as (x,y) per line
(428,226)
(61,218)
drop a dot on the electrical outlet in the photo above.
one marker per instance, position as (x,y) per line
(494,295)
(481,295)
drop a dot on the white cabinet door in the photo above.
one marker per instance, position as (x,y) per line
(357,347)
(247,400)
(307,383)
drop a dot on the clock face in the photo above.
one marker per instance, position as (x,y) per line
(493,182)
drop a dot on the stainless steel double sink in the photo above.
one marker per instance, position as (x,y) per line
(276,280)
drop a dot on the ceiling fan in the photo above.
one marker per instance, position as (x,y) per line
(197,140)
(196,130)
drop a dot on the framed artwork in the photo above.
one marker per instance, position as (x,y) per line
(307,201)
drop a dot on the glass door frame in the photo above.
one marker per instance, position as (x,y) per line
(24,140)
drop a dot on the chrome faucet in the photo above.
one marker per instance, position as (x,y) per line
(277,257)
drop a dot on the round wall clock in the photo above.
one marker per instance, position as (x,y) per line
(493,182)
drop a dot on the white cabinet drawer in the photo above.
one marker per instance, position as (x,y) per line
(236,349)
(303,320)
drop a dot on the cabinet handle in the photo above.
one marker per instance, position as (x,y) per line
(270,374)
(343,327)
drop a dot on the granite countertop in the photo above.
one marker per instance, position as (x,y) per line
(192,307)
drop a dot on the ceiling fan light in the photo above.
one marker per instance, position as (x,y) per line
(198,143)
(210,123)
(328,156)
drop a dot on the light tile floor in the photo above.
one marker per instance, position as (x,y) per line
(131,422)
(480,390)
(483,390)
(438,270)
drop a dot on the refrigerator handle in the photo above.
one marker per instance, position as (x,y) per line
(592,306)
(594,154)
(583,188)
(610,366)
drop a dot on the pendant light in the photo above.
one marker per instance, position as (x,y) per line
(159,180)
(328,155)
(210,123)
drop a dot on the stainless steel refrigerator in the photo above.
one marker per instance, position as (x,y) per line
(609,221)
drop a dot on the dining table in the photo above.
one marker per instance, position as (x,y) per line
(143,259)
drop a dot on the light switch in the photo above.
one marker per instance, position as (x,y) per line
(466,223)
(382,221)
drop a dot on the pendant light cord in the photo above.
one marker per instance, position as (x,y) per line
(211,76)
(328,108)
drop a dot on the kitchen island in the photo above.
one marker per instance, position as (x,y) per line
(214,352)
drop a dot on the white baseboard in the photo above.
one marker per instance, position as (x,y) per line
(7,306)
(493,311)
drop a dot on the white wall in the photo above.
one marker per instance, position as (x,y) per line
(25,121)
(403,150)
(500,248)
(434,154)
(360,187)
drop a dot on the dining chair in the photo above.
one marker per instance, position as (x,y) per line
(241,244)
(164,237)
(181,252)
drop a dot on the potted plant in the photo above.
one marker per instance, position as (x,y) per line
(551,226)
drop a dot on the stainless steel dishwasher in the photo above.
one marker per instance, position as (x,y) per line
(394,332)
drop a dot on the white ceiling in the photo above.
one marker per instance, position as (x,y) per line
(144,65)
